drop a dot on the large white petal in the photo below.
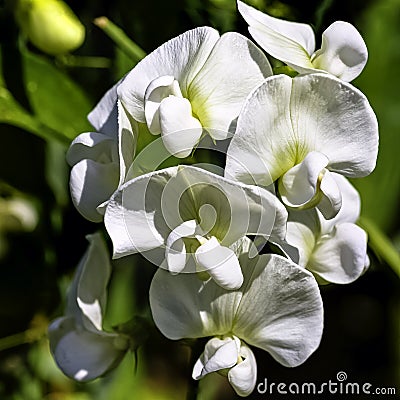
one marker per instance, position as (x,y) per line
(264,145)
(340,257)
(243,376)
(180,131)
(183,306)
(234,67)
(343,52)
(281,309)
(133,217)
(221,263)
(218,354)
(181,57)
(82,355)
(284,119)
(92,183)
(298,33)
(336,119)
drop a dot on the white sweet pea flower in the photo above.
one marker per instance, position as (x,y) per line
(186,219)
(80,347)
(193,84)
(297,132)
(343,52)
(333,250)
(100,159)
(277,309)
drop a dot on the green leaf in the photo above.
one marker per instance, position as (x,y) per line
(57,101)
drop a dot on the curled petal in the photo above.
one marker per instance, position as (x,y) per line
(243,376)
(221,263)
(175,250)
(331,201)
(218,354)
(158,90)
(180,131)
(343,52)
(300,185)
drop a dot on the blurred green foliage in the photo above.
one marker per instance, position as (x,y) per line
(44,101)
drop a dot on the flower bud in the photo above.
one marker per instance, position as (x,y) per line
(50,25)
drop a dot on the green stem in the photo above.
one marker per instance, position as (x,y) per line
(381,244)
(130,48)
(11,341)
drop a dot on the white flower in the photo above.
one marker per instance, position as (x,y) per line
(297,132)
(100,159)
(82,350)
(343,52)
(186,219)
(277,309)
(333,250)
(193,84)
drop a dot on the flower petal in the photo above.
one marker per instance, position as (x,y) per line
(92,183)
(299,186)
(331,201)
(343,52)
(93,275)
(181,57)
(180,131)
(215,95)
(284,119)
(183,306)
(104,116)
(221,263)
(284,40)
(340,257)
(243,376)
(82,355)
(133,216)
(281,309)
(218,354)
(175,250)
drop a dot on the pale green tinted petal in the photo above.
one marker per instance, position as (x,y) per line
(336,119)
(93,280)
(180,131)
(299,185)
(221,263)
(281,309)
(343,52)
(181,57)
(183,306)
(133,218)
(340,257)
(218,354)
(298,33)
(158,89)
(234,67)
(175,250)
(264,145)
(82,355)
(92,183)
(243,376)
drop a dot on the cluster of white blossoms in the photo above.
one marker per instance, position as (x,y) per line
(290,145)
